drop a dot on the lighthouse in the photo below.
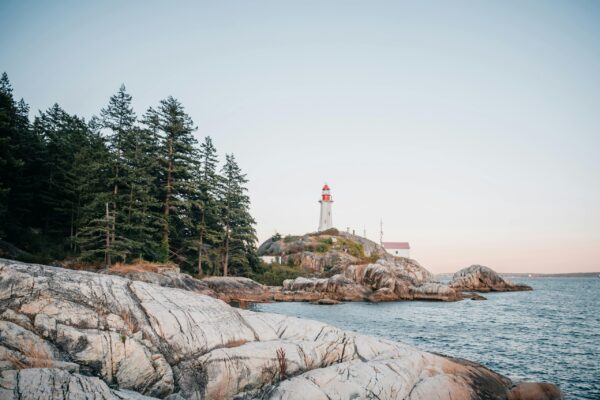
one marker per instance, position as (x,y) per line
(325,221)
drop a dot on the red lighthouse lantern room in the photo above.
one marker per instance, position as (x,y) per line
(326,196)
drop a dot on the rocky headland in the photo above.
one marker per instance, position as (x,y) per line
(478,278)
(344,267)
(68,334)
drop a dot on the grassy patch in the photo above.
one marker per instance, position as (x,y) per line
(274,274)
(139,266)
(351,247)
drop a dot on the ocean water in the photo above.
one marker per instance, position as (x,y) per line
(550,334)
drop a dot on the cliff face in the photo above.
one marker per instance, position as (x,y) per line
(71,334)
(483,279)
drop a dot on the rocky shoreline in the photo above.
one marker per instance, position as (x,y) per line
(71,334)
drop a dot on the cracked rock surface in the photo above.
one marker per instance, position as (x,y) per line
(78,335)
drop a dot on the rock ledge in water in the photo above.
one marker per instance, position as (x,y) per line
(479,278)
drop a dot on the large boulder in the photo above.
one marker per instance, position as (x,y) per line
(72,334)
(479,278)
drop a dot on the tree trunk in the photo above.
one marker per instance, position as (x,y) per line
(226,252)
(107,250)
(115,193)
(201,237)
(72,236)
(168,201)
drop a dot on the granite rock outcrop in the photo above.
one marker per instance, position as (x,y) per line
(478,278)
(72,334)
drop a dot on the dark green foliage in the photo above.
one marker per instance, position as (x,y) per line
(116,189)
(10,164)
(274,274)
(207,210)
(178,161)
(239,234)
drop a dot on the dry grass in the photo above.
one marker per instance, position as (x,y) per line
(140,266)
(101,310)
(16,362)
(34,357)
(281,363)
(130,322)
(235,343)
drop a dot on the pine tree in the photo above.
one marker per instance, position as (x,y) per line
(178,162)
(94,165)
(142,219)
(239,234)
(111,190)
(207,217)
(25,211)
(10,164)
(119,118)
(64,136)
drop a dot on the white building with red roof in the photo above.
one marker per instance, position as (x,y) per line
(398,249)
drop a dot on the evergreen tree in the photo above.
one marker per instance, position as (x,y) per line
(64,136)
(239,242)
(178,163)
(119,118)
(207,215)
(142,219)
(24,210)
(94,165)
(10,164)
(111,190)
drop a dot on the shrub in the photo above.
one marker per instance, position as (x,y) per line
(274,274)
(322,248)
(351,247)
(327,240)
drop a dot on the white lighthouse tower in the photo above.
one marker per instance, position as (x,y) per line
(325,221)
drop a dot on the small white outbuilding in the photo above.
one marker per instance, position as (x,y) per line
(398,249)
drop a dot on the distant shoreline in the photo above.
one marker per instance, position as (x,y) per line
(537,275)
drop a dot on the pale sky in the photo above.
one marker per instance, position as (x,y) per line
(471,128)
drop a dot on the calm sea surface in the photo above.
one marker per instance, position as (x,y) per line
(551,334)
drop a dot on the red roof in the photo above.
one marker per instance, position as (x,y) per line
(396,245)
(326,187)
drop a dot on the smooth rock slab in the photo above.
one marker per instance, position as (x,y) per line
(150,340)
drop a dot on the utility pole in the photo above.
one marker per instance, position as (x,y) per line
(381,232)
